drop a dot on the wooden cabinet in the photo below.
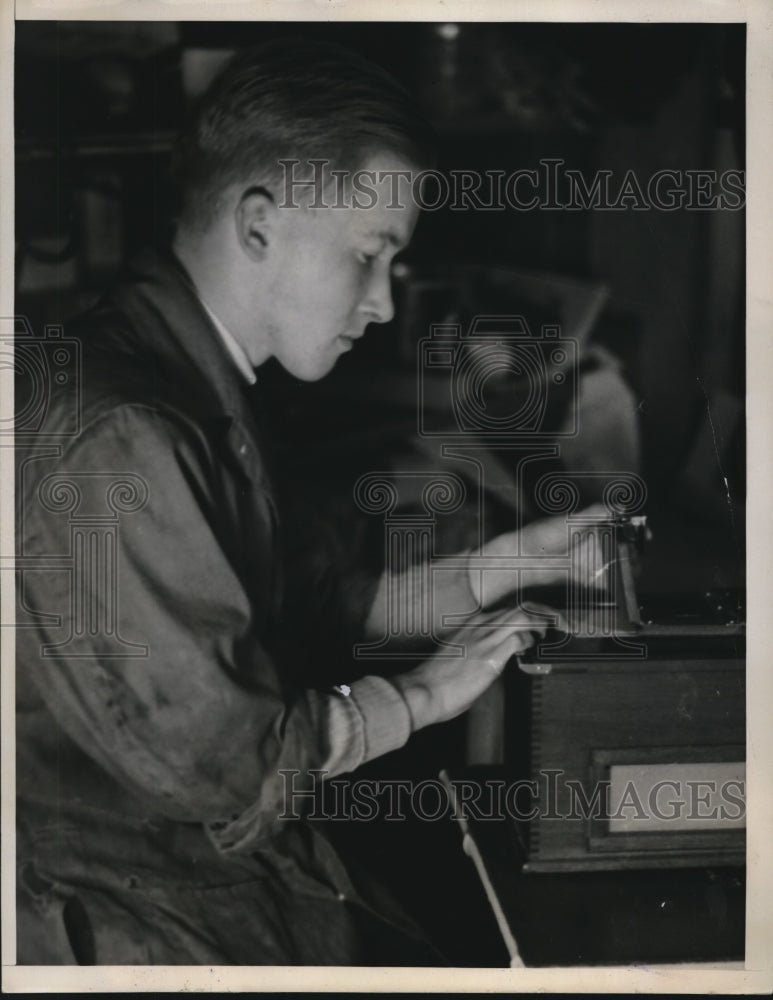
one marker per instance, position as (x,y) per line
(635,763)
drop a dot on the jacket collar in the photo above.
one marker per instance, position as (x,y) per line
(159,292)
(172,327)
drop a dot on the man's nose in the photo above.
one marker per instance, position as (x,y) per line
(378,301)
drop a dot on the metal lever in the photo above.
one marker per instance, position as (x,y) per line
(532,667)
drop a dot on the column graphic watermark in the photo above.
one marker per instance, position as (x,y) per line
(82,510)
(409,552)
(93,502)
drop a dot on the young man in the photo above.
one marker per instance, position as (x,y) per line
(154,718)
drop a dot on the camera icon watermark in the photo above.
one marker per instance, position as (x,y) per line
(42,368)
(497,379)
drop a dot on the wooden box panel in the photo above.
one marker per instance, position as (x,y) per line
(591,723)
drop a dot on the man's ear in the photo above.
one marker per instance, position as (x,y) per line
(254,218)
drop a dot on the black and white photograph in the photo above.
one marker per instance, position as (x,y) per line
(384,444)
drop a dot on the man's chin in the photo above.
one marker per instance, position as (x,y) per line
(308,371)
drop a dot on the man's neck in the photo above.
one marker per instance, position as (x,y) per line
(215,277)
(232,345)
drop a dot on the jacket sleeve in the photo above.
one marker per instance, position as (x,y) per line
(181,702)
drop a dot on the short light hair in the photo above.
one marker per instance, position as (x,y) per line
(292,99)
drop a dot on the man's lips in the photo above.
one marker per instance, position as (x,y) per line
(347,339)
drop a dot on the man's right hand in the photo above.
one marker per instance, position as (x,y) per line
(444,686)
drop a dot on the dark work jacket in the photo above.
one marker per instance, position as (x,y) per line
(153,720)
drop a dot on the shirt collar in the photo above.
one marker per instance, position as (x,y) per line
(234,348)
